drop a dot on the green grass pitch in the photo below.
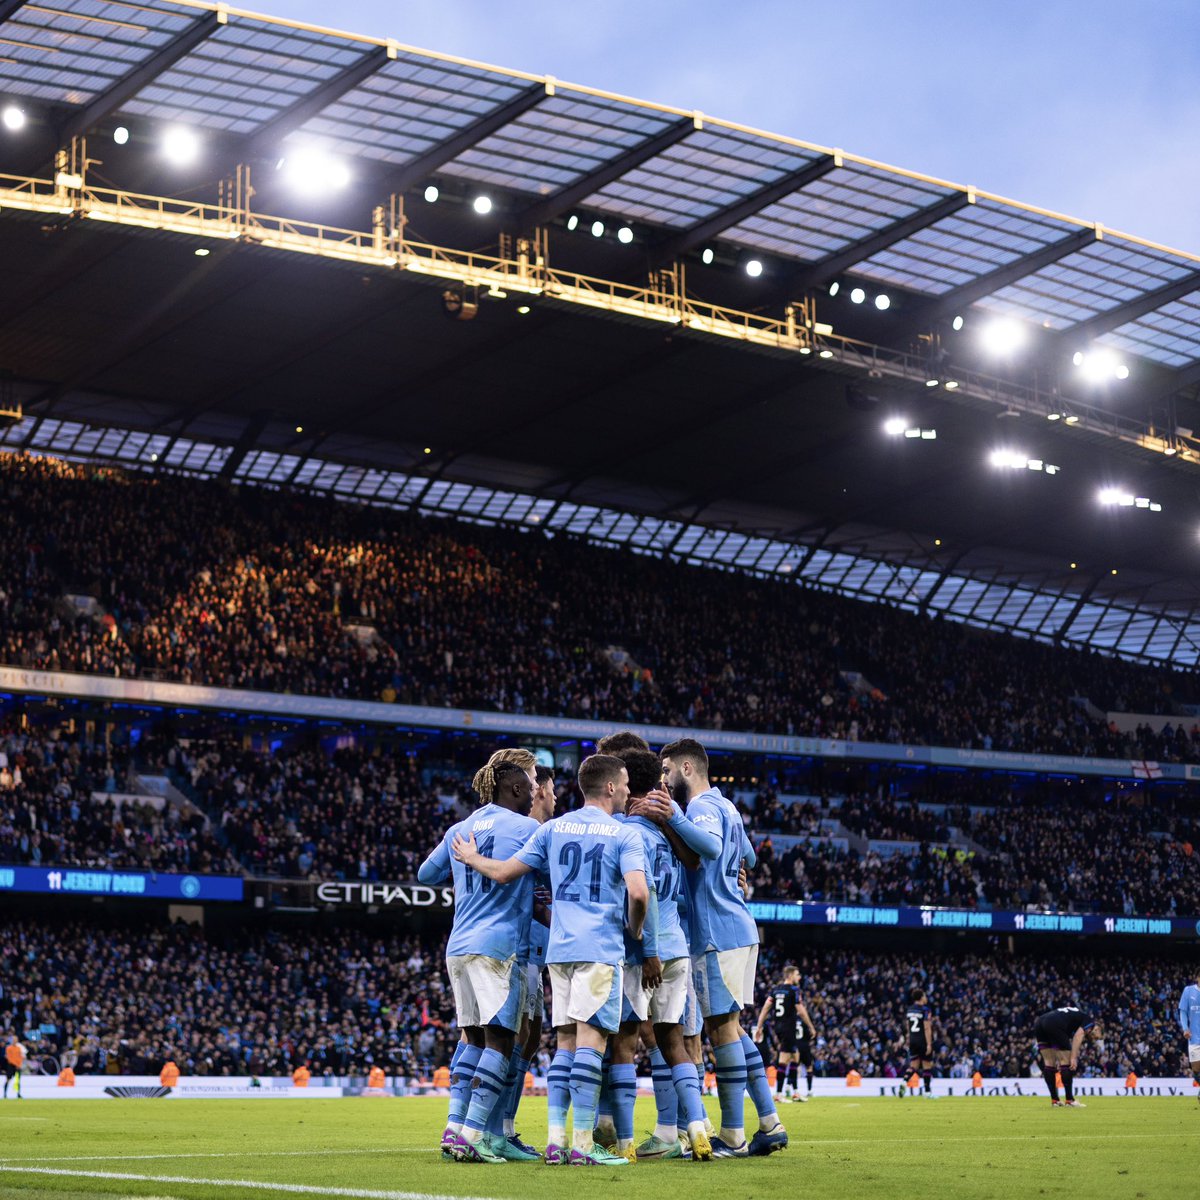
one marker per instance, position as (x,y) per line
(384,1149)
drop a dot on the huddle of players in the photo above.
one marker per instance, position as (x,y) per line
(648,938)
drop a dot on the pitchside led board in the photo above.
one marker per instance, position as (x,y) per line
(996,921)
(83,881)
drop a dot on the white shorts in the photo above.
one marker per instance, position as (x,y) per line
(692,1021)
(667,1001)
(487,991)
(725,980)
(1194,1052)
(635,1000)
(589,992)
(535,992)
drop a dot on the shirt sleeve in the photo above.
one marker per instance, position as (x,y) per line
(633,856)
(705,823)
(535,852)
(650,928)
(693,837)
(437,866)
(1183,1011)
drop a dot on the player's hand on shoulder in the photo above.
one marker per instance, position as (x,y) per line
(464,851)
(655,806)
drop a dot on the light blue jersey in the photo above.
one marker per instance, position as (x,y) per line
(1189,1013)
(587,854)
(665,876)
(539,943)
(717,915)
(489,918)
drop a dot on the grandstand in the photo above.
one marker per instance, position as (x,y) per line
(554,413)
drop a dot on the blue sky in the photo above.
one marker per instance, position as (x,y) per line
(1091,109)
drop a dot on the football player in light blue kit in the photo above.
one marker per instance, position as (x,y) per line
(594,862)
(1189,1022)
(485,957)
(655,989)
(724,944)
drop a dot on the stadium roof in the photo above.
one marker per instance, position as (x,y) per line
(241,351)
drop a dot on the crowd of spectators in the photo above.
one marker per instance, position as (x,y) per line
(1047,847)
(69,802)
(124,999)
(202,582)
(984,1008)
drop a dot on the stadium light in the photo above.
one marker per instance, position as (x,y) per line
(1115,497)
(754,268)
(202,252)
(857,296)
(932,382)
(883,302)
(120,135)
(597,228)
(707,256)
(1003,336)
(523,309)
(180,146)
(572,222)
(1099,365)
(834,288)
(311,171)
(482,205)
(432,194)
(894,426)
(14,118)
(956,324)
(624,235)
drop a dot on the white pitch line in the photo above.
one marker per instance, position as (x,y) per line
(61,1158)
(303,1189)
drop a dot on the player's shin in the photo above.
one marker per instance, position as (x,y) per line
(558,1095)
(757,1085)
(665,1099)
(491,1078)
(517,1068)
(1068,1082)
(462,1071)
(585,1094)
(1049,1075)
(731,1090)
(622,1082)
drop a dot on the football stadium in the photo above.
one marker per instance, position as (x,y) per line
(541,630)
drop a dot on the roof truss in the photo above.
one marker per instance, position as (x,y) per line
(136,80)
(1131,310)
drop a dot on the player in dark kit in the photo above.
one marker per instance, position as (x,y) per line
(793,1030)
(1060,1034)
(919,1022)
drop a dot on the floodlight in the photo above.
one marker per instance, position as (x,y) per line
(432,194)
(883,302)
(597,228)
(834,288)
(826,354)
(180,146)
(894,426)
(311,171)
(1003,336)
(754,268)
(572,222)
(523,309)
(624,235)
(202,252)
(956,324)
(120,135)
(1099,365)
(929,435)
(1114,495)
(14,118)
(951,384)
(482,205)
(707,255)
(932,382)
(857,296)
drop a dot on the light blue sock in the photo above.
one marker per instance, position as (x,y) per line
(491,1075)
(500,1109)
(664,1089)
(686,1085)
(516,1088)
(756,1081)
(731,1084)
(622,1082)
(558,1087)
(585,1091)
(462,1070)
